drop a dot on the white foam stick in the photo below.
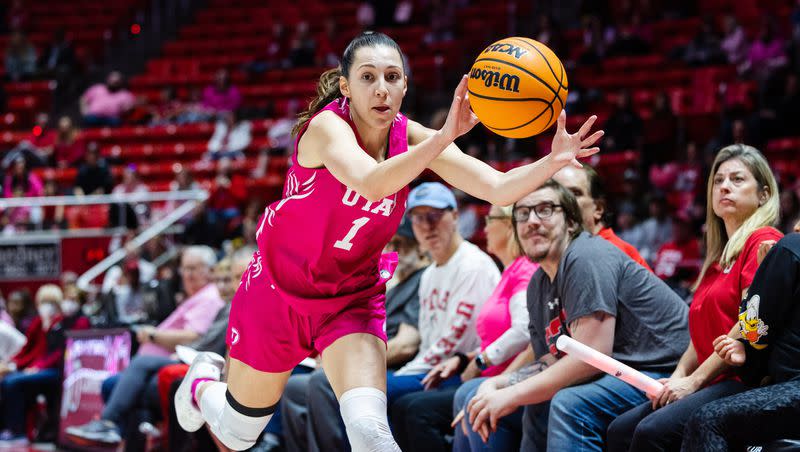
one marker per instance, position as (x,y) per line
(608,365)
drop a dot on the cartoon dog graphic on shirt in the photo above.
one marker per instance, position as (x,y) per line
(751,326)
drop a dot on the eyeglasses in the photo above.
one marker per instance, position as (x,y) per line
(191,268)
(542,210)
(431,217)
(489,218)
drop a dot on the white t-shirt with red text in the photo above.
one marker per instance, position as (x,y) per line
(450,297)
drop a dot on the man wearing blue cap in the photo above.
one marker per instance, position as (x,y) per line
(451,290)
(311,419)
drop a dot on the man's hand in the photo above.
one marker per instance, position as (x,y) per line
(441,372)
(486,410)
(472,371)
(143,334)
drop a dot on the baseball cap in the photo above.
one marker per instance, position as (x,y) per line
(431,194)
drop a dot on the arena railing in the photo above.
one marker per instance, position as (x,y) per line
(190,199)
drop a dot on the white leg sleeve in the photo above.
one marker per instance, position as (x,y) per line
(364,414)
(236,430)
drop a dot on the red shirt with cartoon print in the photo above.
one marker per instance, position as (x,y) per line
(715,306)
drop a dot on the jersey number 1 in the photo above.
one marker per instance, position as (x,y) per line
(345,243)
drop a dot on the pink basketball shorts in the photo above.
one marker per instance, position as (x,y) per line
(267,334)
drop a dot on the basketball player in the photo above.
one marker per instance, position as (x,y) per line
(318,280)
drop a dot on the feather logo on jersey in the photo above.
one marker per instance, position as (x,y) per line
(254,269)
(294,190)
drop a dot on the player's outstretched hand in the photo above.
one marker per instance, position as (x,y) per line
(460,118)
(567,147)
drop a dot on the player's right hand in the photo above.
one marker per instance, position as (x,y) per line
(460,118)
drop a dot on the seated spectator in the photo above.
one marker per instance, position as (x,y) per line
(18,16)
(125,287)
(227,274)
(767,53)
(168,110)
(734,42)
(228,194)
(22,183)
(130,215)
(655,230)
(20,59)
(679,178)
(442,21)
(633,38)
(619,308)
(105,104)
(189,322)
(69,148)
(36,148)
(704,48)
(623,129)
(595,41)
(327,52)
(766,350)
(36,369)
(790,211)
(94,177)
(231,136)
(303,47)
(53,216)
(588,189)
(502,325)
(743,206)
(21,178)
(21,309)
(58,60)
(677,262)
(222,96)
(661,132)
(451,292)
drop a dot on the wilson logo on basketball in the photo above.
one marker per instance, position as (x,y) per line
(506,82)
(515,51)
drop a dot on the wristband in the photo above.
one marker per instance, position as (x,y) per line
(463,361)
(480,362)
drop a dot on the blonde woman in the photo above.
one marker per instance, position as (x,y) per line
(742,210)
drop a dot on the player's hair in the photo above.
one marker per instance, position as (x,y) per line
(328,85)
(719,247)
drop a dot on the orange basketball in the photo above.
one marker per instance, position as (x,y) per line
(517,87)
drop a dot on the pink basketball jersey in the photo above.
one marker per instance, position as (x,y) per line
(321,244)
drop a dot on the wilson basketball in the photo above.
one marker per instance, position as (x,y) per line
(517,87)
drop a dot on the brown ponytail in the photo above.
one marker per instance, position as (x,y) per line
(327,91)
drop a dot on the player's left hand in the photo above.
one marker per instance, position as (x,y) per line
(567,147)
(485,410)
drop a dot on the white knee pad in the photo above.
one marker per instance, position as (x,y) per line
(237,426)
(364,414)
